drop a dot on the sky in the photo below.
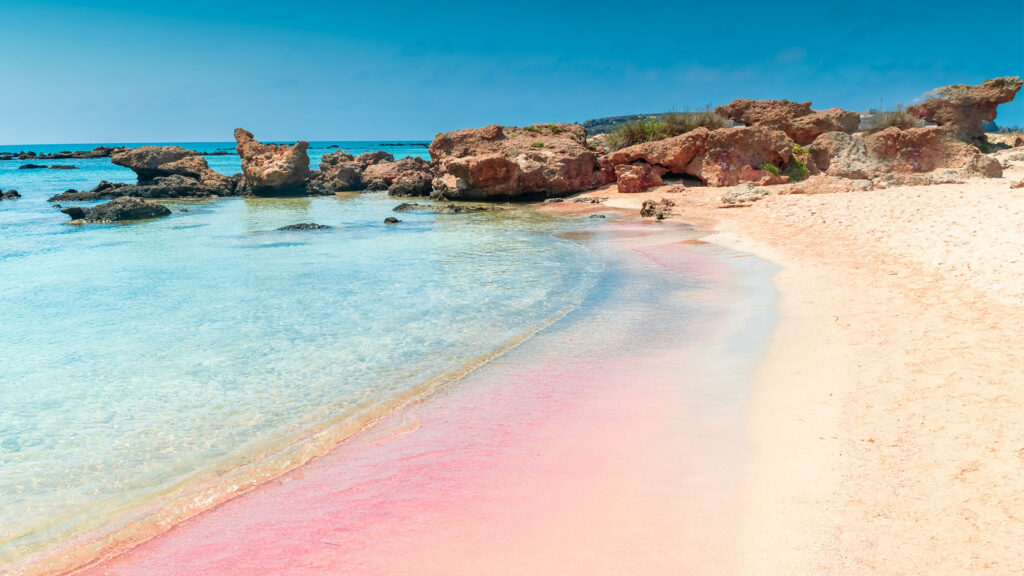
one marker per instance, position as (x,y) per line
(128,71)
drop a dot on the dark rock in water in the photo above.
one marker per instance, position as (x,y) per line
(76,212)
(332,146)
(57,206)
(68,195)
(174,186)
(98,152)
(446,209)
(217,153)
(63,167)
(11,195)
(31,166)
(126,208)
(597,216)
(391,220)
(305,226)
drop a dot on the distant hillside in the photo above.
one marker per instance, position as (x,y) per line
(610,123)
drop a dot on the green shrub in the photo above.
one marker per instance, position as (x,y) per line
(537,145)
(797,169)
(534,129)
(770,167)
(638,132)
(897,117)
(800,150)
(555,128)
(650,128)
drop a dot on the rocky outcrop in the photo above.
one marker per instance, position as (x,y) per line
(175,186)
(723,157)
(499,162)
(166,172)
(118,210)
(964,108)
(273,169)
(9,195)
(412,184)
(796,119)
(916,156)
(382,174)
(633,178)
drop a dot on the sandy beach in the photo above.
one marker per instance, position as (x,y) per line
(885,427)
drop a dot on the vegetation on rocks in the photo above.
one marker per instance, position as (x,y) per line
(658,127)
(897,117)
(797,169)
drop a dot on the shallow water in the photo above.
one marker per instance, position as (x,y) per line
(143,359)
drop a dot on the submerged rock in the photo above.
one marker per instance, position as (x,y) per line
(10,195)
(964,108)
(446,209)
(126,208)
(305,226)
(391,220)
(63,167)
(31,166)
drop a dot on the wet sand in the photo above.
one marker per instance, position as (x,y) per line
(613,442)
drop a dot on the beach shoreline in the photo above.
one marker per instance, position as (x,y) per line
(884,426)
(586,458)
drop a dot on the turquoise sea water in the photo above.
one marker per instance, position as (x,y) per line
(139,359)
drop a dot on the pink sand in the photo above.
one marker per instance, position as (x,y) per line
(581,460)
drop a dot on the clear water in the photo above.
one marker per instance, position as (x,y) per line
(137,358)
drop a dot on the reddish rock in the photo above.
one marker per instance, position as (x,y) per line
(633,178)
(902,153)
(656,209)
(155,164)
(371,158)
(339,172)
(796,119)
(380,175)
(273,168)
(734,155)
(963,108)
(412,184)
(509,162)
(673,154)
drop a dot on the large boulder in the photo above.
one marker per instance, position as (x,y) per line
(634,178)
(964,108)
(382,174)
(796,119)
(915,156)
(723,157)
(186,169)
(273,169)
(117,210)
(499,162)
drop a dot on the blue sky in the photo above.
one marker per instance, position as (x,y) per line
(129,71)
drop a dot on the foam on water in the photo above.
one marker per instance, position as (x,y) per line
(142,360)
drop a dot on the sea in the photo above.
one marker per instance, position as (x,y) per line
(149,368)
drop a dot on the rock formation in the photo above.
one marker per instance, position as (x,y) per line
(305,226)
(632,178)
(273,169)
(796,119)
(117,210)
(381,175)
(723,157)
(916,156)
(498,162)
(165,172)
(963,108)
